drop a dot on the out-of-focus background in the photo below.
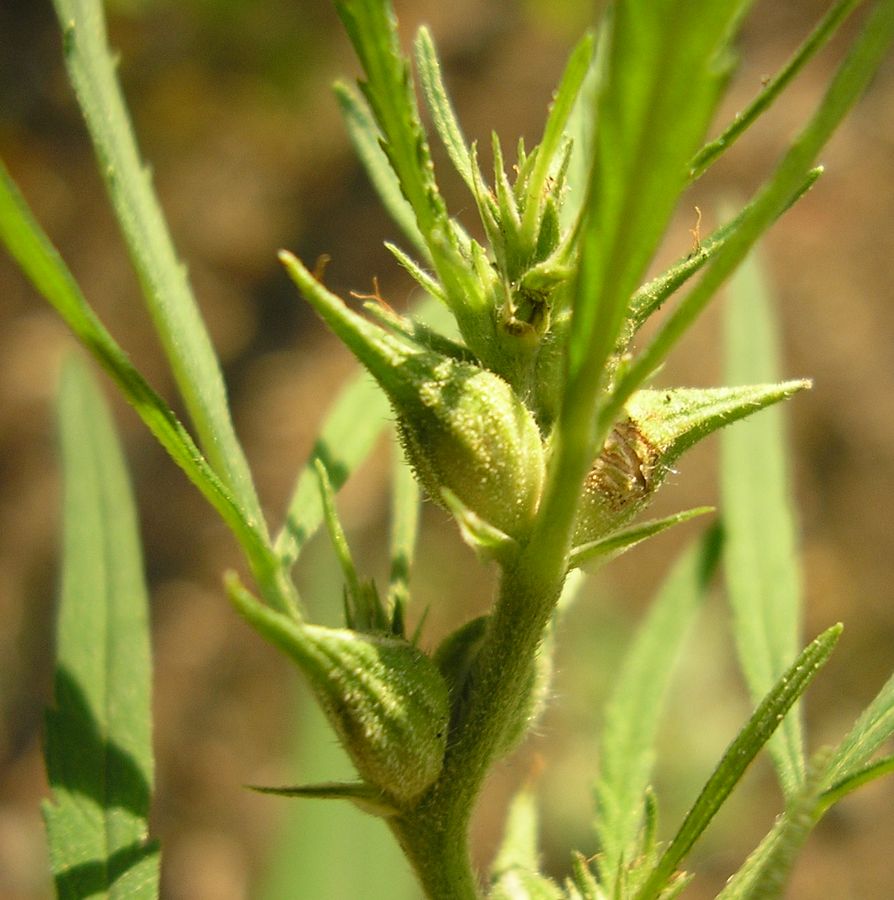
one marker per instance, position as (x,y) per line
(232,105)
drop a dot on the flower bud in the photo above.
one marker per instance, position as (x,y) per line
(642,447)
(385,698)
(387,702)
(462,427)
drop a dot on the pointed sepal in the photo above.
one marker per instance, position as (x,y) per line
(613,545)
(364,796)
(488,542)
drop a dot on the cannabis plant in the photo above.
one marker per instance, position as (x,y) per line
(522,399)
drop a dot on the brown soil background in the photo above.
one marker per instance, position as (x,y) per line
(232,107)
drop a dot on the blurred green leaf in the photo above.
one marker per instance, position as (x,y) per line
(442,113)
(516,870)
(864,56)
(99,735)
(816,40)
(739,755)
(366,139)
(761,563)
(874,726)
(627,747)
(175,313)
(371,26)
(356,419)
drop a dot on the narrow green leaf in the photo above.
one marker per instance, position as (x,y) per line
(649,298)
(650,119)
(580,129)
(766,871)
(621,541)
(554,132)
(174,311)
(761,565)
(738,756)
(365,138)
(388,88)
(667,97)
(874,726)
(816,40)
(863,59)
(584,884)
(627,748)
(857,778)
(40,262)
(442,114)
(99,742)
(362,795)
(336,532)
(405,500)
(421,277)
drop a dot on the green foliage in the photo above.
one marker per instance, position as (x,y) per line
(760,554)
(99,741)
(530,422)
(91,68)
(739,755)
(630,726)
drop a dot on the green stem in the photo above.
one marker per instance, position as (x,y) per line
(435,844)
(434,835)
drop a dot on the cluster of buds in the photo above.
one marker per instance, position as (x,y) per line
(476,447)
(476,419)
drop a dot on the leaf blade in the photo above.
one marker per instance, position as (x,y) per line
(169,298)
(443,116)
(761,566)
(815,41)
(99,745)
(873,727)
(851,78)
(37,257)
(365,138)
(633,710)
(739,755)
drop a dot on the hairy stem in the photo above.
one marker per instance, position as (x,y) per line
(434,835)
